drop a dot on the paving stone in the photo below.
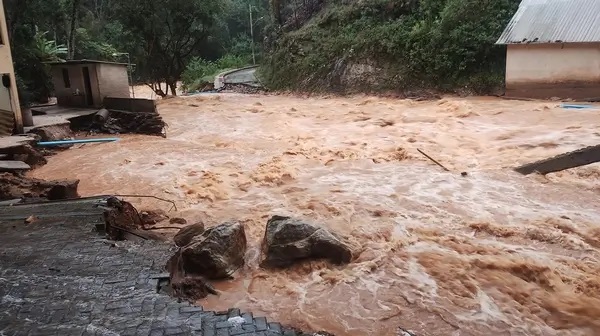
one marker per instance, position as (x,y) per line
(248,318)
(275,327)
(261,323)
(233,312)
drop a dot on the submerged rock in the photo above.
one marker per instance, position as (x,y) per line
(177,220)
(288,240)
(188,233)
(153,216)
(217,253)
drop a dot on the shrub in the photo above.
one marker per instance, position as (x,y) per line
(200,72)
(446,45)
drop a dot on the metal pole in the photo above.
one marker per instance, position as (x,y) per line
(252,34)
(130,70)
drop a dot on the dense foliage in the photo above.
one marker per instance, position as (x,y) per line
(398,45)
(316,45)
(160,37)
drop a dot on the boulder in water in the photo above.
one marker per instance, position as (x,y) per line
(288,240)
(217,253)
(188,233)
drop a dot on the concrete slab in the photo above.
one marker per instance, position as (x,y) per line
(55,115)
(9,166)
(11,142)
(564,161)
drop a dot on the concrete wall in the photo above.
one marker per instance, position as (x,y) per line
(10,112)
(553,70)
(130,104)
(67,96)
(113,80)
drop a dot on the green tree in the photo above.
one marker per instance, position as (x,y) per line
(170,34)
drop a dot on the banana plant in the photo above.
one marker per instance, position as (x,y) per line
(48,50)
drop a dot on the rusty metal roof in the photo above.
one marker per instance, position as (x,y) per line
(554,21)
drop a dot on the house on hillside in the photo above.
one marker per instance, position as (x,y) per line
(85,83)
(10,111)
(553,49)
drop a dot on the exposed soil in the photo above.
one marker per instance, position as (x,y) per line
(489,253)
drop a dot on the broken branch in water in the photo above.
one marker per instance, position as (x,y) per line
(433,160)
(149,196)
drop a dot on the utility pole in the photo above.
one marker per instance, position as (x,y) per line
(252,34)
(129,70)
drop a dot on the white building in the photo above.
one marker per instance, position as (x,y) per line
(553,49)
(10,111)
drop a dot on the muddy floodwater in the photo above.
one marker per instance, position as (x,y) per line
(491,253)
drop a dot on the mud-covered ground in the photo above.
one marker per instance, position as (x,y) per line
(437,253)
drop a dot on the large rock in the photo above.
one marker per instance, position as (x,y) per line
(217,253)
(288,240)
(188,233)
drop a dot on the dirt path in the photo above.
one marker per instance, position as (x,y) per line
(441,254)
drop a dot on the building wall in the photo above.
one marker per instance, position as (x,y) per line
(113,81)
(10,111)
(553,70)
(75,94)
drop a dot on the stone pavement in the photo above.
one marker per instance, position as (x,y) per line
(58,276)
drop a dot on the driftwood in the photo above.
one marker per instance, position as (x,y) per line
(564,161)
(433,160)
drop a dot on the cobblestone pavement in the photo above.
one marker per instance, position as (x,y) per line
(60,277)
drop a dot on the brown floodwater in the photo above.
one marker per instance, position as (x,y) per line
(435,252)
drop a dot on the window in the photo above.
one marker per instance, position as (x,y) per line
(66,79)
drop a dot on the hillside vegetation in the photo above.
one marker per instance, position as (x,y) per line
(387,45)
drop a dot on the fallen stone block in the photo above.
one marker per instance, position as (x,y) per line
(9,166)
(289,240)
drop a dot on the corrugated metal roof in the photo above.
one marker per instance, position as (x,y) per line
(554,21)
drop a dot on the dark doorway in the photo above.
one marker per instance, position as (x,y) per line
(88,86)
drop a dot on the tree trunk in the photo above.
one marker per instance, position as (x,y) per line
(276,9)
(72,30)
(173,86)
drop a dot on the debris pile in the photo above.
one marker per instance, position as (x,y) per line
(242,88)
(15,186)
(121,122)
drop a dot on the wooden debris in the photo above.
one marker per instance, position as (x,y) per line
(433,160)
(564,161)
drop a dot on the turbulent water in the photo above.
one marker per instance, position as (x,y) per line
(491,253)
